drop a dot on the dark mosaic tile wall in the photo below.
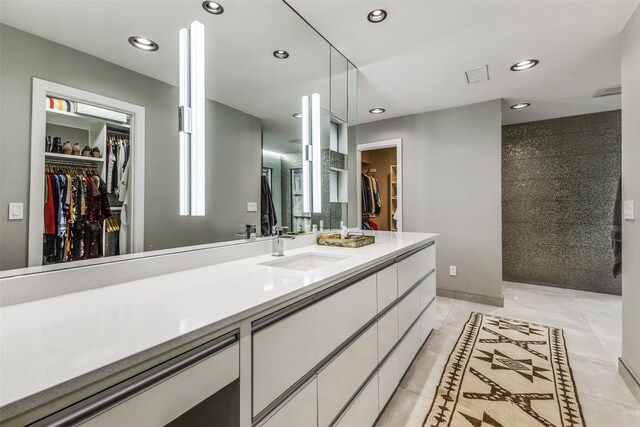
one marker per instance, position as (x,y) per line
(559,179)
(332,213)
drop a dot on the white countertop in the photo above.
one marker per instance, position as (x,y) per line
(70,338)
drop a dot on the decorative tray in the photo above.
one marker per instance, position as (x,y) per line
(352,241)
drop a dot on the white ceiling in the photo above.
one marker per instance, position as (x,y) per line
(410,63)
(414,60)
(241,69)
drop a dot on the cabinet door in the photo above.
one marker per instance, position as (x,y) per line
(342,314)
(410,348)
(339,68)
(412,269)
(408,310)
(364,410)
(166,401)
(282,354)
(387,286)
(388,378)
(300,411)
(427,290)
(387,332)
(428,321)
(342,377)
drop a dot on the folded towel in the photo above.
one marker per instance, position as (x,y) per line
(60,104)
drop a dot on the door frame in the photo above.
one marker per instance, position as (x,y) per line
(42,89)
(391,143)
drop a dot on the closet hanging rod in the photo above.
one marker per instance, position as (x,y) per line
(370,170)
(118,132)
(71,163)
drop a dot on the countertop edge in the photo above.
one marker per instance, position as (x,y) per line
(86,385)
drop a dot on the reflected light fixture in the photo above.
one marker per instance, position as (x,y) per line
(281,54)
(524,65)
(306,156)
(377,15)
(192,121)
(520,106)
(317,154)
(143,43)
(273,154)
(213,7)
(297,115)
(377,110)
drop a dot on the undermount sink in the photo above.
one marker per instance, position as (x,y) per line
(304,262)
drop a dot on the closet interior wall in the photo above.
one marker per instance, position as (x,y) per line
(380,160)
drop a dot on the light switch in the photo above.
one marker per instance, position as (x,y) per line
(252,206)
(16,211)
(629,209)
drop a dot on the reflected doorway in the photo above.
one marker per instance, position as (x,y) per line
(380,186)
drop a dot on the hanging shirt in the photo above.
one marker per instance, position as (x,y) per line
(49,211)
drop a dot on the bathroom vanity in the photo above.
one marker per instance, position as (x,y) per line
(321,336)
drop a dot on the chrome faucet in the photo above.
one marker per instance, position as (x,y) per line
(277,245)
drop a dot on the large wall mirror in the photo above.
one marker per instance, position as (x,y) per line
(97,91)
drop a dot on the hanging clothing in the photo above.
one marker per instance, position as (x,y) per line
(75,209)
(267,210)
(125,220)
(371,202)
(616,232)
(49,212)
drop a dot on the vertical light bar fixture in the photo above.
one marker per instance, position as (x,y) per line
(316,143)
(191,120)
(306,155)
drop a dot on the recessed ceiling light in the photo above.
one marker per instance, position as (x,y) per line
(143,43)
(377,110)
(377,15)
(297,115)
(520,106)
(281,54)
(524,65)
(213,7)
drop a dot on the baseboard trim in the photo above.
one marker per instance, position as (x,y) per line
(629,377)
(482,299)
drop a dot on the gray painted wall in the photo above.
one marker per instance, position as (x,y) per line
(233,146)
(631,191)
(559,181)
(451,171)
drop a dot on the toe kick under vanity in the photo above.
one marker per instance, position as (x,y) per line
(247,342)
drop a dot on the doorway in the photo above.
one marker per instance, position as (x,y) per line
(380,185)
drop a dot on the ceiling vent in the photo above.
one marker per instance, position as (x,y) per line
(608,91)
(477,74)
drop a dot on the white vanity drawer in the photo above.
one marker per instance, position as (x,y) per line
(364,410)
(412,269)
(387,286)
(387,332)
(300,411)
(408,310)
(409,348)
(343,313)
(282,354)
(388,378)
(427,290)
(428,321)
(166,401)
(342,377)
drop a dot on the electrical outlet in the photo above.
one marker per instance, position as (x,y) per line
(452,270)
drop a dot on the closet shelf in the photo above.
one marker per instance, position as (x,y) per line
(71,157)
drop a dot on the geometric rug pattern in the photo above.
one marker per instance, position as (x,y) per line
(506,373)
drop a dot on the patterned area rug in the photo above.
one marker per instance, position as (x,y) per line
(506,373)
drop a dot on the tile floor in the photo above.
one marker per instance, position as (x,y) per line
(591,324)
